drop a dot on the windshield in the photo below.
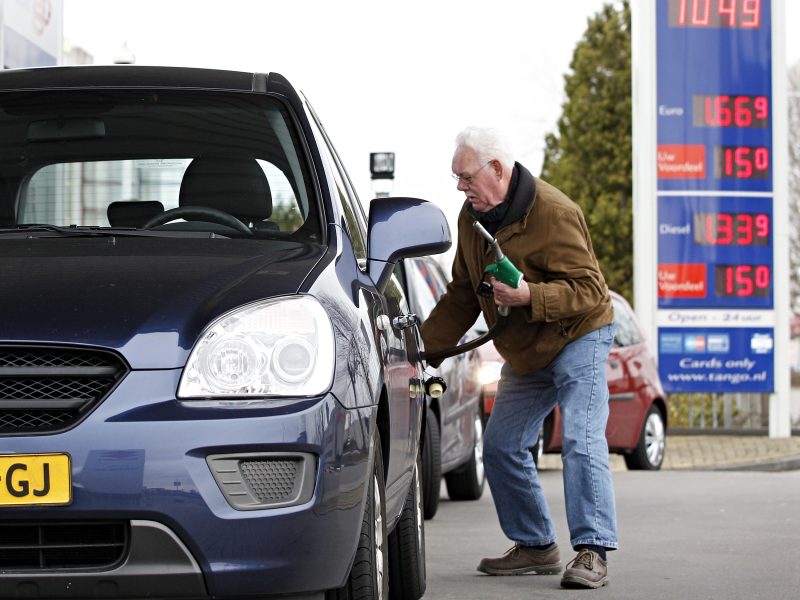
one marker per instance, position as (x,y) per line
(164,161)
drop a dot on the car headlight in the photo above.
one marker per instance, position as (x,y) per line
(278,347)
(489,372)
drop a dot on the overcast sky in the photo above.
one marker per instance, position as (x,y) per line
(402,76)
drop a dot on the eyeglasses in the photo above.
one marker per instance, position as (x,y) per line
(468,179)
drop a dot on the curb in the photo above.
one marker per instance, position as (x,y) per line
(790,463)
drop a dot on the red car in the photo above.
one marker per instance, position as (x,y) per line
(637,422)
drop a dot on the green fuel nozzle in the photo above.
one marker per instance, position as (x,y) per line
(501,269)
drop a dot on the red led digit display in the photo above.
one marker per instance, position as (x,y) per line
(734,14)
(730,111)
(741,162)
(742,281)
(731,229)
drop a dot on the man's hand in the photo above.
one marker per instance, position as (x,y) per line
(505,295)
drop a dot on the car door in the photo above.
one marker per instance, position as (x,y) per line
(624,379)
(404,378)
(427,283)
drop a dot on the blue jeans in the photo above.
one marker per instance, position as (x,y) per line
(576,381)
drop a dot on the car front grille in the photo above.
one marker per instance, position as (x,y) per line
(46,389)
(52,545)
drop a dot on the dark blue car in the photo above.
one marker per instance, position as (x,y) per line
(209,378)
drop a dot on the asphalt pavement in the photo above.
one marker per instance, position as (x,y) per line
(684,535)
(723,452)
(715,524)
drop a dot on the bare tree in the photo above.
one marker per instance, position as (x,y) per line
(794,184)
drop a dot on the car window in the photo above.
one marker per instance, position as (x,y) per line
(435,278)
(353,212)
(627,332)
(399,272)
(72,155)
(425,288)
(81,192)
(354,225)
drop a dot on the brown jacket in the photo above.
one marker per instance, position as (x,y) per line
(551,245)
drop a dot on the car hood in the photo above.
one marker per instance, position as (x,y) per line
(148,298)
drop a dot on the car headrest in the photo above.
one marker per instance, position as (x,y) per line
(132,213)
(235,185)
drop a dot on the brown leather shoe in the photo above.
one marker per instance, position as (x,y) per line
(586,570)
(523,559)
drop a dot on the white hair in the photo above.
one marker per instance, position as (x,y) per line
(488,144)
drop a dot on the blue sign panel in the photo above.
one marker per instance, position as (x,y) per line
(714,95)
(713,360)
(715,252)
(715,181)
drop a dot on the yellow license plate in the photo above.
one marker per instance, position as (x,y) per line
(27,479)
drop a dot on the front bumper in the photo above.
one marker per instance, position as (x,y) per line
(156,560)
(142,458)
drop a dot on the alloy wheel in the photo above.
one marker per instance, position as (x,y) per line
(654,438)
(420,512)
(479,470)
(380,567)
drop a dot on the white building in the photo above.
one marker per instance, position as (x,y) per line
(31,33)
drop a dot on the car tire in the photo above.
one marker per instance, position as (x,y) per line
(431,465)
(467,482)
(368,578)
(649,452)
(407,545)
(537,450)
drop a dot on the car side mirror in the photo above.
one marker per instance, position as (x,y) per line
(403,228)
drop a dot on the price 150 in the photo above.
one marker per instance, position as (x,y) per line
(742,281)
(741,162)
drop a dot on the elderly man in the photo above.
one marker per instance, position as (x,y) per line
(555,345)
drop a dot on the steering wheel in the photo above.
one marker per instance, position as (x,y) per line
(198,213)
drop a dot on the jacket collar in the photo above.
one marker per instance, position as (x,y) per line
(516,205)
(524,195)
(520,200)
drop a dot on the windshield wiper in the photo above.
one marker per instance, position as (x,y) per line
(45,230)
(72,231)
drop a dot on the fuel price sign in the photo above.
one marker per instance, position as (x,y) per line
(714,87)
(715,252)
(714,182)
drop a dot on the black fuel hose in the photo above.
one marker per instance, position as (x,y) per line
(437,357)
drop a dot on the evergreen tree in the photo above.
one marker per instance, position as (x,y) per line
(590,158)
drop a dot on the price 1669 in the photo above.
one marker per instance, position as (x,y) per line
(726,110)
